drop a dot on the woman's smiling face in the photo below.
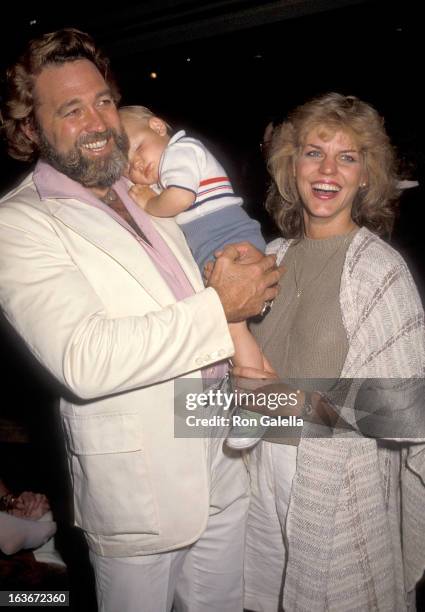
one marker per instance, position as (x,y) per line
(329,171)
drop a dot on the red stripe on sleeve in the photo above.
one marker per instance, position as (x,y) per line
(218,179)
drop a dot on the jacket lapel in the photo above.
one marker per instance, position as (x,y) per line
(174,237)
(101,230)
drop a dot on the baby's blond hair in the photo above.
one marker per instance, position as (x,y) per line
(140,114)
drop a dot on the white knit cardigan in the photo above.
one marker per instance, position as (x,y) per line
(356,520)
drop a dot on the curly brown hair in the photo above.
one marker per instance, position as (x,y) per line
(58,47)
(373,205)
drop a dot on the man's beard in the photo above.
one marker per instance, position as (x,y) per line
(102,172)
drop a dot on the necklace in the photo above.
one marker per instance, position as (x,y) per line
(298,289)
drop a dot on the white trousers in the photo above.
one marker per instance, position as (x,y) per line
(272,468)
(204,577)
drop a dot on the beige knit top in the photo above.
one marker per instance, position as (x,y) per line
(303,336)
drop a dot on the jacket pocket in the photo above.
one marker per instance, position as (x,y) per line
(112,487)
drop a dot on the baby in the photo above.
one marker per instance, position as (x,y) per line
(176,176)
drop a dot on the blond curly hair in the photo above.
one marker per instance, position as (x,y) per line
(373,205)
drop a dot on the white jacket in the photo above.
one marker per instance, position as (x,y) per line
(94,310)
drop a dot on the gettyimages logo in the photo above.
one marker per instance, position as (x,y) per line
(241,399)
(214,411)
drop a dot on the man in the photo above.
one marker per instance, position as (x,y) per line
(110,301)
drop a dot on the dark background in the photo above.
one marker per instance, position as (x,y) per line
(224,69)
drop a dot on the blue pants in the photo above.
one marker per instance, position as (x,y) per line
(213,231)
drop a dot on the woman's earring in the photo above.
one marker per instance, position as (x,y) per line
(363,185)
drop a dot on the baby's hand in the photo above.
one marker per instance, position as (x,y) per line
(141,194)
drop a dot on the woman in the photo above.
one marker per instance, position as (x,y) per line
(326,521)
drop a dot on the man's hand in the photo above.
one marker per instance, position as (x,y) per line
(247,252)
(244,279)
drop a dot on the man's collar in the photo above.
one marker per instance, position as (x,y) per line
(50,183)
